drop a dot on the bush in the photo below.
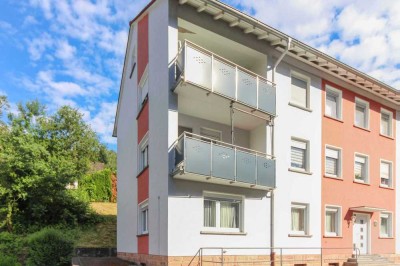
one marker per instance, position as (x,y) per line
(6,260)
(11,244)
(49,247)
(96,186)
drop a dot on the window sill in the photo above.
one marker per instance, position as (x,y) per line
(296,235)
(141,235)
(299,171)
(141,172)
(300,107)
(386,136)
(223,233)
(361,183)
(328,236)
(385,237)
(334,118)
(143,104)
(390,188)
(333,177)
(362,128)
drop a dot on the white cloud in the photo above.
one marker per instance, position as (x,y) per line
(30,21)
(38,45)
(65,51)
(6,27)
(103,122)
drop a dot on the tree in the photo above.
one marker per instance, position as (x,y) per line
(39,155)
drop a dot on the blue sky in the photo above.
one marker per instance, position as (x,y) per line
(71,51)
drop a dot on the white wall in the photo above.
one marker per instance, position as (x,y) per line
(159,58)
(291,186)
(127,157)
(397,182)
(242,137)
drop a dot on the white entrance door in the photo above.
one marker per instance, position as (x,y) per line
(361,233)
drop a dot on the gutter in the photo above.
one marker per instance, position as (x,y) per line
(289,44)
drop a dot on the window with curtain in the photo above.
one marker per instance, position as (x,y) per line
(361,113)
(386,174)
(332,162)
(360,169)
(298,154)
(386,123)
(299,91)
(332,221)
(222,214)
(299,218)
(386,225)
(143,218)
(333,102)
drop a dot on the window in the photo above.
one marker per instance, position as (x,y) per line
(361,168)
(386,122)
(299,154)
(386,224)
(143,218)
(299,90)
(386,174)
(133,62)
(332,162)
(333,102)
(333,216)
(299,215)
(210,133)
(223,214)
(143,153)
(362,114)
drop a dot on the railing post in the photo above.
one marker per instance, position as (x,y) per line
(321,256)
(236,82)
(201,256)
(212,72)
(222,256)
(281,262)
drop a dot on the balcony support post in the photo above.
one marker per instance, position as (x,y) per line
(232,125)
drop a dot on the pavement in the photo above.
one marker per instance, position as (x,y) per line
(90,261)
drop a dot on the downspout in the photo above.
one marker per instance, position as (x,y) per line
(272,199)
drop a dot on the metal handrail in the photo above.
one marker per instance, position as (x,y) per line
(223,250)
(195,46)
(218,142)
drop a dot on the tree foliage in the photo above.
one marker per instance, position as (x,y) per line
(39,155)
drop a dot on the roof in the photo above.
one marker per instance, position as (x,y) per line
(299,50)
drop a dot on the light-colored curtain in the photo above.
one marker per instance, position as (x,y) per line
(330,222)
(385,122)
(297,219)
(360,116)
(331,105)
(209,213)
(229,214)
(384,226)
(331,166)
(298,157)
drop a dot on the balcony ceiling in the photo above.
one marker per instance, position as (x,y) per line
(197,102)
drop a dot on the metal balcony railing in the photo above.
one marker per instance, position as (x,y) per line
(221,161)
(214,73)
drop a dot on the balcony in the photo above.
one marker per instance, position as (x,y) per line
(199,67)
(198,158)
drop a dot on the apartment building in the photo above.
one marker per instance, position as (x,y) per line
(237,143)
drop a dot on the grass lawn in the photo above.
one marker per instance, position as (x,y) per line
(103,234)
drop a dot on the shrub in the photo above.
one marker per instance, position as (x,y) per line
(6,260)
(96,186)
(10,244)
(49,247)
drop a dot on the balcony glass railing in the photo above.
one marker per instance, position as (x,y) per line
(216,74)
(198,155)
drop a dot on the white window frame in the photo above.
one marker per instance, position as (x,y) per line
(338,225)
(133,62)
(305,79)
(143,210)
(387,112)
(390,174)
(144,143)
(306,208)
(364,103)
(222,197)
(143,90)
(339,150)
(366,179)
(389,216)
(307,155)
(339,94)
(219,132)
